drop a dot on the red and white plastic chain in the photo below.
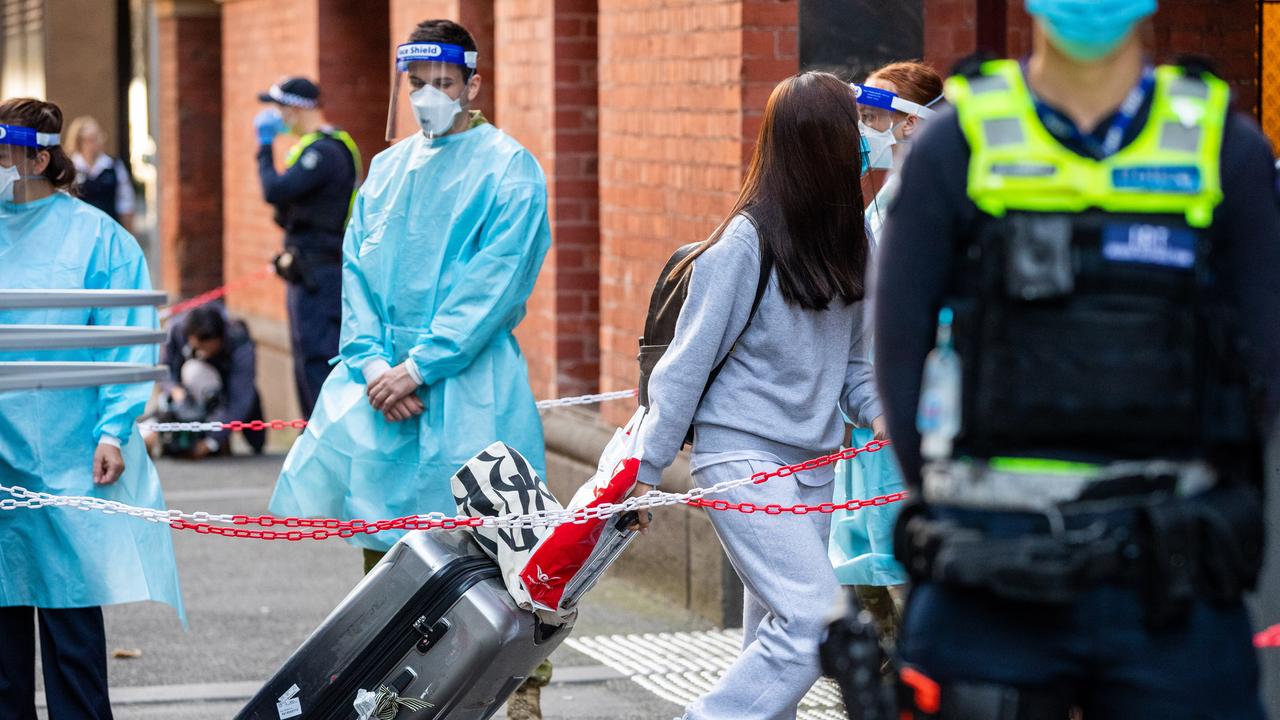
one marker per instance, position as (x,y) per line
(208,297)
(329,527)
(324,528)
(214,426)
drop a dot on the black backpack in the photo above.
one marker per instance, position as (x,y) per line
(664,312)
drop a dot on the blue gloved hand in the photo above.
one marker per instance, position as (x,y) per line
(268,124)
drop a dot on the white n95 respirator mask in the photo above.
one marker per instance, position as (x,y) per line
(434,110)
(880,146)
(8,176)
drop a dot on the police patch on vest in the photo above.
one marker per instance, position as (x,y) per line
(1149,245)
(310,159)
(1168,178)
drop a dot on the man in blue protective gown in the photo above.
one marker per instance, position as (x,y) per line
(60,565)
(444,245)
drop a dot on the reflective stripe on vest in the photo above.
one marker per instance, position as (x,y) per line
(341,136)
(1170,168)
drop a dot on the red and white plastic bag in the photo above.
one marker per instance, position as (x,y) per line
(568,562)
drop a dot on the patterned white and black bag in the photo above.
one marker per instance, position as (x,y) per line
(497,482)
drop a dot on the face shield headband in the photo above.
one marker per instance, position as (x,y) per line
(28,137)
(885,100)
(410,53)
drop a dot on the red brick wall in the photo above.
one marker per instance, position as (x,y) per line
(1225,31)
(190,138)
(950,31)
(262,41)
(576,199)
(524,30)
(353,76)
(548,101)
(678,100)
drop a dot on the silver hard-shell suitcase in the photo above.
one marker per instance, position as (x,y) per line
(433,622)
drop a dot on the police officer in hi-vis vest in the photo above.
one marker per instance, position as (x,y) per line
(312,200)
(1078,352)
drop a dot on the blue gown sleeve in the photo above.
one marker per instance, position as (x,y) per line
(362,326)
(497,281)
(123,268)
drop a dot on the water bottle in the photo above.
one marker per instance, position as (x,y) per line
(939,418)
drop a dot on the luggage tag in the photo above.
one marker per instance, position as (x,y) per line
(289,706)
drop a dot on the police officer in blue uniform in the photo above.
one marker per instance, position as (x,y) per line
(312,200)
(1077,352)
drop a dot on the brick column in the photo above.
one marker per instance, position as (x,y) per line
(682,87)
(548,101)
(353,70)
(263,40)
(190,144)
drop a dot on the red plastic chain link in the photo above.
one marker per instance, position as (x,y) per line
(264,425)
(1269,638)
(828,508)
(807,465)
(325,528)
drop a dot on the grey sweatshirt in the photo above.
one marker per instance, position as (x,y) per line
(781,390)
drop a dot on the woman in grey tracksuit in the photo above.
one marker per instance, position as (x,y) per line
(790,370)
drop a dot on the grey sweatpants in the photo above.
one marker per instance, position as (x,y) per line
(790,592)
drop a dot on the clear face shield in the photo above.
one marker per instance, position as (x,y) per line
(15,141)
(881,139)
(432,95)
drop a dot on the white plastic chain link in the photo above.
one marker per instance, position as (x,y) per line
(542,405)
(24,498)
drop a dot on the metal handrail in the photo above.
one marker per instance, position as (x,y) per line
(53,375)
(16,299)
(50,375)
(61,337)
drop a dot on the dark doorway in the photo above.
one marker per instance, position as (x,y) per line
(853,37)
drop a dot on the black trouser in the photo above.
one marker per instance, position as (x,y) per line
(1097,650)
(257,439)
(315,318)
(73,651)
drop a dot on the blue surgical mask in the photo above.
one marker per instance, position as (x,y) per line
(1089,30)
(864,154)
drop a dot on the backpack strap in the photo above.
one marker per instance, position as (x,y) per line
(762,284)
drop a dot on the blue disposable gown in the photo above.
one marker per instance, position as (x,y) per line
(444,245)
(861,547)
(57,557)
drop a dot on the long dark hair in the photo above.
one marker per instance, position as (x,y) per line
(43,117)
(804,194)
